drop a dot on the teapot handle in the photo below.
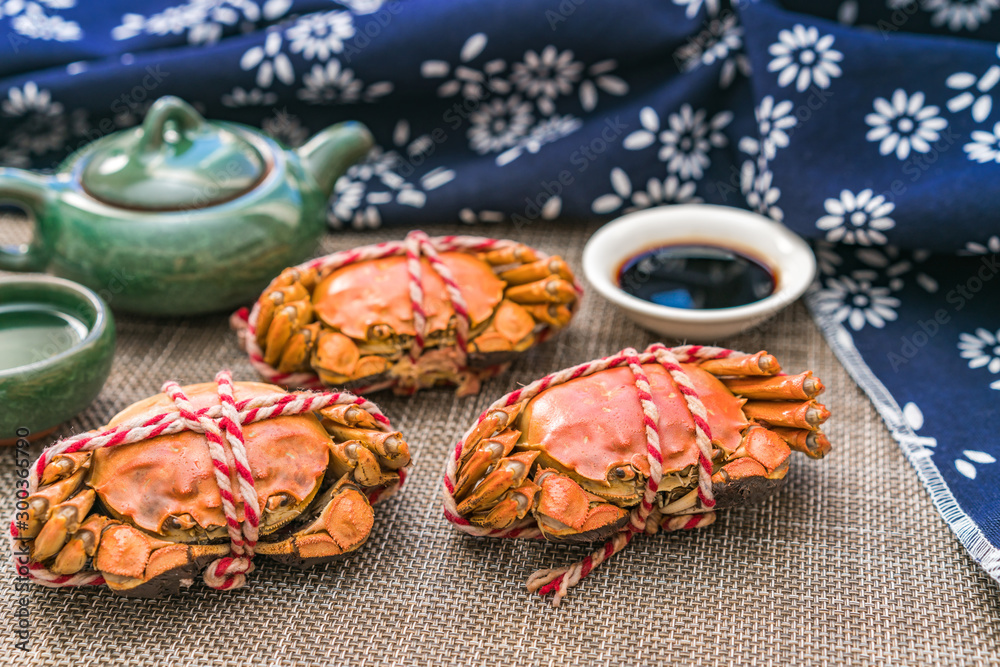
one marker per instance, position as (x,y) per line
(29,191)
(165,109)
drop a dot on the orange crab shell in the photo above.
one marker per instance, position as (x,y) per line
(148,481)
(595,423)
(355,297)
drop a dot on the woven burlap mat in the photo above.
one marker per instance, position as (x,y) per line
(848,564)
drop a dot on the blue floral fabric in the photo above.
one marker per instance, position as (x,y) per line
(870,128)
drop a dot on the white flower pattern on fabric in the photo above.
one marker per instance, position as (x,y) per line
(757,185)
(991,247)
(377,181)
(976,91)
(599,76)
(472,83)
(693,7)
(499,124)
(286,128)
(202,20)
(721,41)
(857,218)
(269,61)
(959,14)
(335,84)
(982,350)
(545,132)
(32,20)
(686,140)
(318,36)
(904,124)
(802,56)
(671,190)
(255,97)
(985,146)
(855,300)
(773,122)
(969,469)
(893,265)
(40,124)
(545,76)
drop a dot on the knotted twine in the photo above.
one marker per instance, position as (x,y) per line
(645,517)
(222,426)
(416,245)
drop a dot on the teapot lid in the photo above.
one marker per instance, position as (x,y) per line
(175,160)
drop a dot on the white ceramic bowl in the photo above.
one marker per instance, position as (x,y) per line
(790,259)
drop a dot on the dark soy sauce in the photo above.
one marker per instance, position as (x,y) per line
(696,276)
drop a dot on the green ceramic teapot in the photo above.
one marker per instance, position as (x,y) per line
(180,216)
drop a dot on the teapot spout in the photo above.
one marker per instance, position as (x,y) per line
(328,154)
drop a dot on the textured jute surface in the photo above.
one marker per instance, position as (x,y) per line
(848,564)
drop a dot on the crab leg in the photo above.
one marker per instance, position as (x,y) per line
(353,457)
(518,254)
(508,473)
(495,421)
(812,443)
(391,449)
(487,453)
(512,506)
(760,363)
(779,387)
(63,465)
(543,268)
(349,415)
(271,302)
(283,326)
(807,414)
(81,546)
(550,290)
(44,499)
(554,314)
(64,519)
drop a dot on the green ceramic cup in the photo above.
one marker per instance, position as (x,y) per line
(57,340)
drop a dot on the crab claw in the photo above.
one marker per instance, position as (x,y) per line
(272,301)
(508,473)
(556,315)
(542,268)
(517,254)
(510,329)
(342,526)
(64,519)
(566,512)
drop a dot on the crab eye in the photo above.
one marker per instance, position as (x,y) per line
(623,473)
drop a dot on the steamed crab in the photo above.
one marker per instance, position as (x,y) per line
(353,318)
(573,458)
(149,516)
